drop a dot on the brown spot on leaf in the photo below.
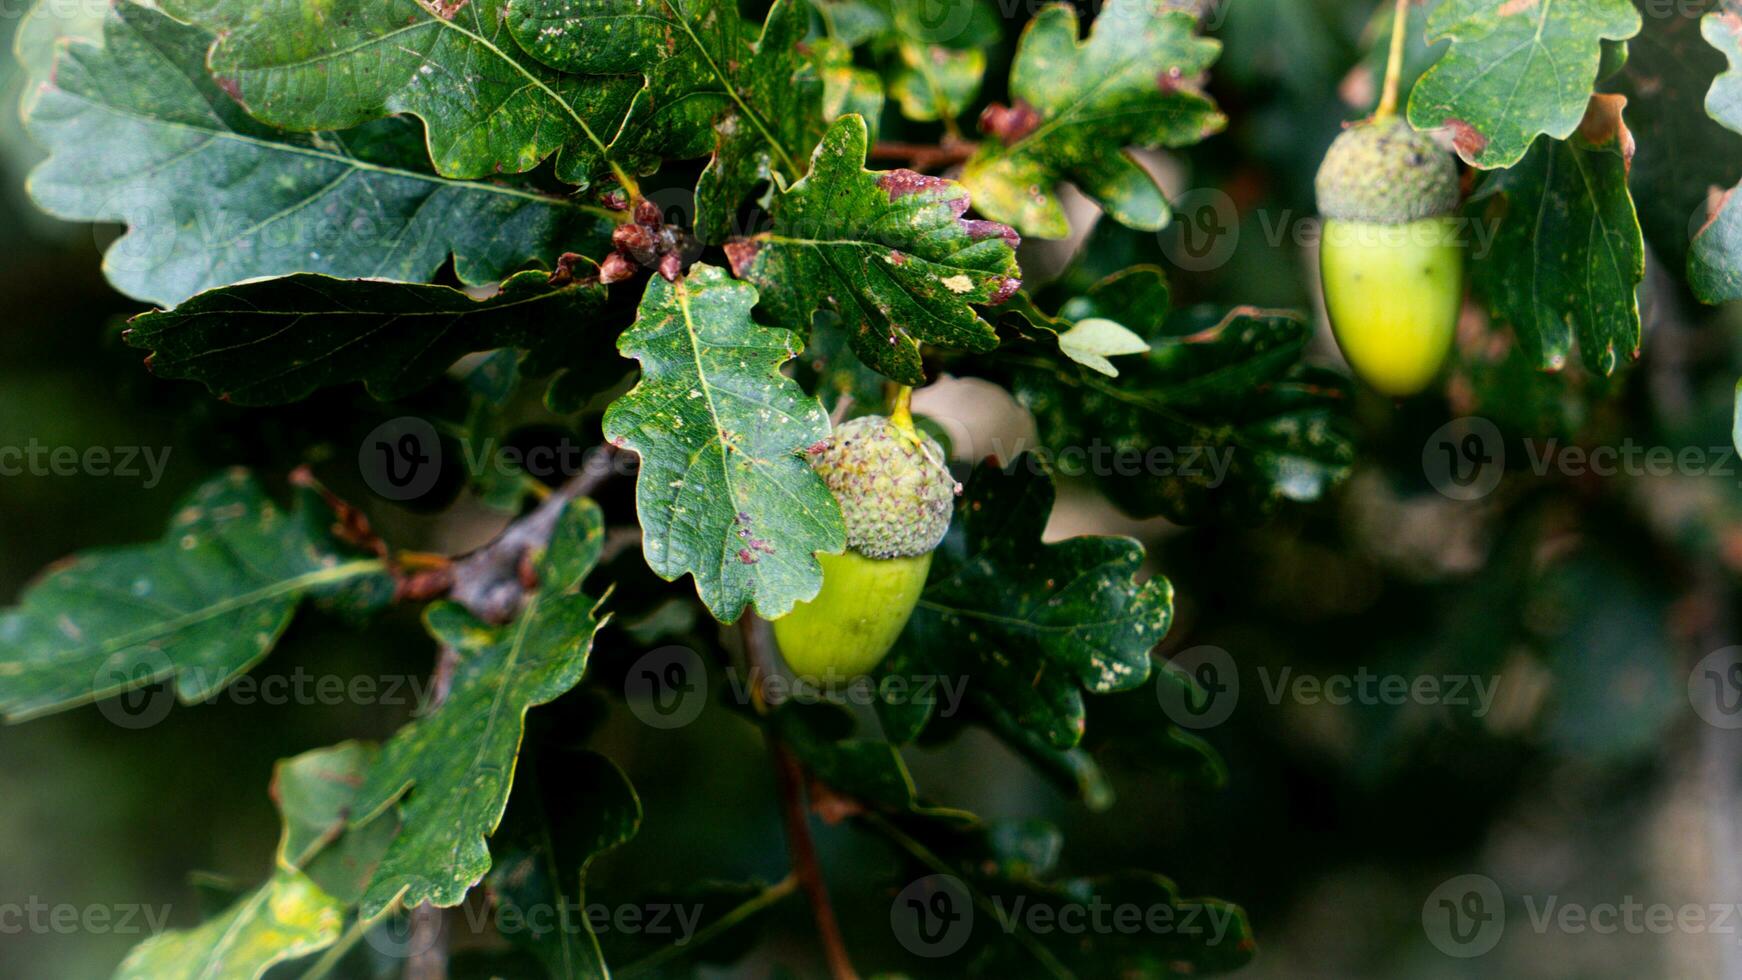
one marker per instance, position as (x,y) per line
(1006,289)
(1603,125)
(445,9)
(897,257)
(1717,199)
(747,557)
(740,252)
(1466,139)
(900,183)
(1009,124)
(981,230)
(230,86)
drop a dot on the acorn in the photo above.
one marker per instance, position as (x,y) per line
(1390,257)
(897,497)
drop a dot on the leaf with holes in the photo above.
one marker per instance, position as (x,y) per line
(1516,69)
(724,493)
(333,64)
(1078,105)
(1031,626)
(138,133)
(200,607)
(277,340)
(451,770)
(888,252)
(1567,256)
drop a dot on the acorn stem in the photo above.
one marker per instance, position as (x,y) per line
(901,415)
(1394,65)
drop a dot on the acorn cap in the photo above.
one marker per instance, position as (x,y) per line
(1384,172)
(894,489)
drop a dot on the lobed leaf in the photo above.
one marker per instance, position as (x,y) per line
(1078,105)
(724,492)
(1029,625)
(888,252)
(293,914)
(275,341)
(713,84)
(487,109)
(551,835)
(200,607)
(1715,255)
(458,762)
(1517,69)
(1567,255)
(139,133)
(1220,420)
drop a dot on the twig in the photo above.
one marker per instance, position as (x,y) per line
(789,777)
(756,903)
(1394,64)
(429,945)
(925,156)
(488,581)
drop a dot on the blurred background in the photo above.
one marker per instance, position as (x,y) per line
(1587,606)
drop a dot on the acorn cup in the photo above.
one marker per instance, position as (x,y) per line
(1390,258)
(897,496)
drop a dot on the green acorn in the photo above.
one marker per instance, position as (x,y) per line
(897,497)
(1390,257)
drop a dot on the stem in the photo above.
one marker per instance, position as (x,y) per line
(789,778)
(756,903)
(924,156)
(901,415)
(1394,65)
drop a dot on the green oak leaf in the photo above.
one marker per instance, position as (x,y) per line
(1682,151)
(888,252)
(458,762)
(935,82)
(581,808)
(275,341)
(714,84)
(199,607)
(1715,257)
(487,109)
(724,492)
(1031,626)
(294,913)
(1517,69)
(138,133)
(1078,105)
(1567,255)
(847,88)
(1220,419)
(1005,874)
(287,918)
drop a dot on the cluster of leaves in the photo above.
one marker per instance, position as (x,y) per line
(319,193)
